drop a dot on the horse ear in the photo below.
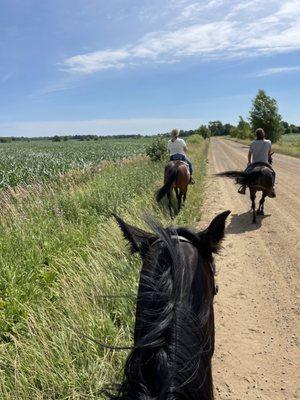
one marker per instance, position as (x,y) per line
(214,234)
(140,241)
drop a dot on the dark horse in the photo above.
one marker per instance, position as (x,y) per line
(177,176)
(174,327)
(260,178)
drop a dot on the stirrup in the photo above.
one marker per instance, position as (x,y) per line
(242,190)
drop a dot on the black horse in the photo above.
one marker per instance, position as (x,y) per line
(261,177)
(174,328)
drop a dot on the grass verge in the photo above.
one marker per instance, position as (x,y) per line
(67,273)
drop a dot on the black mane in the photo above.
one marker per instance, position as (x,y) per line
(174,332)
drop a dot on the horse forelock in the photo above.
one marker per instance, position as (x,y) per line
(172,339)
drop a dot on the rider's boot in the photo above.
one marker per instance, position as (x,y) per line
(242,189)
(191,182)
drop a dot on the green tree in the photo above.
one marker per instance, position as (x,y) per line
(264,114)
(227,129)
(243,129)
(233,132)
(286,127)
(216,128)
(203,131)
(294,128)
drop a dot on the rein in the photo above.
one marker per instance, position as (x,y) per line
(174,237)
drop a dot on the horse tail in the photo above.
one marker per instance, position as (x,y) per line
(241,177)
(231,174)
(167,186)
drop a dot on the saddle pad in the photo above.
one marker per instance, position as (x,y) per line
(182,162)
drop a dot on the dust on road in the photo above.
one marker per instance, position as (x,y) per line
(257,318)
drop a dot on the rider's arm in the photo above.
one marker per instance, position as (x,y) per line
(249,156)
(270,151)
(185,149)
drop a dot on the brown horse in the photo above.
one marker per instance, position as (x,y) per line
(177,177)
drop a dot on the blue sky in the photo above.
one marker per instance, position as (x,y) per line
(137,66)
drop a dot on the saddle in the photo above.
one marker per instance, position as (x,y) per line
(181,162)
(255,166)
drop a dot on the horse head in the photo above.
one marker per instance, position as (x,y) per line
(174,327)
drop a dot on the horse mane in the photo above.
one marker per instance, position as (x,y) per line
(172,344)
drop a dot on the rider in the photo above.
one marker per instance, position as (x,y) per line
(177,149)
(259,154)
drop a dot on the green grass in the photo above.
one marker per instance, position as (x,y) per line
(288,144)
(61,255)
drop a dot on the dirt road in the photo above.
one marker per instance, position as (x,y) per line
(257,319)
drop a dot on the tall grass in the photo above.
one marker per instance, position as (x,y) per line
(87,287)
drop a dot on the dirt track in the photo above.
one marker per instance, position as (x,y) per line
(257,319)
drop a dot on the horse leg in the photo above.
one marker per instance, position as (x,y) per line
(184,196)
(179,200)
(177,194)
(252,197)
(169,195)
(261,204)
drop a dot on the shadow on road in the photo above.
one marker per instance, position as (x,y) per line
(240,223)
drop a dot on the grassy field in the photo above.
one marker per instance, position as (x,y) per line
(288,144)
(66,272)
(26,162)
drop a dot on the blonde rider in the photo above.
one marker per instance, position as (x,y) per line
(177,149)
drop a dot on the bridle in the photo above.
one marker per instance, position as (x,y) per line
(179,238)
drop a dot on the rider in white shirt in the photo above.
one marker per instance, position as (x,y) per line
(177,149)
(259,154)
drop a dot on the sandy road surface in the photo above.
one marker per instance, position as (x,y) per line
(257,314)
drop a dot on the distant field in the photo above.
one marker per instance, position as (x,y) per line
(25,162)
(288,144)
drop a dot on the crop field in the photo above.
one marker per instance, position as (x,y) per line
(67,274)
(25,162)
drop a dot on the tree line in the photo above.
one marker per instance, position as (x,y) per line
(263,114)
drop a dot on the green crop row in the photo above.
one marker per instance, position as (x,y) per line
(26,162)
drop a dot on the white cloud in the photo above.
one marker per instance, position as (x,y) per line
(100,126)
(97,61)
(227,32)
(278,70)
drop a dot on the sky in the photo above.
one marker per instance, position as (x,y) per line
(139,66)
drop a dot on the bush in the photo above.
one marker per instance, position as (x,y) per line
(195,139)
(157,150)
(5,139)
